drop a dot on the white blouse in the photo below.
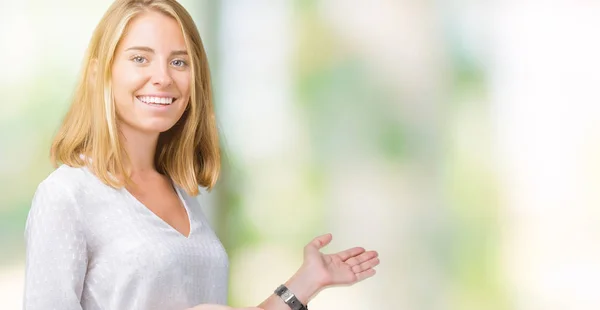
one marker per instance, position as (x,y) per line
(90,246)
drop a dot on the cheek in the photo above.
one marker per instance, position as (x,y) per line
(183,82)
(125,81)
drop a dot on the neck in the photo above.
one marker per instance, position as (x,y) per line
(141,148)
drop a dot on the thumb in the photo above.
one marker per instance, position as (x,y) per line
(318,243)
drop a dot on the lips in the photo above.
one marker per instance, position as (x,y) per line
(157,100)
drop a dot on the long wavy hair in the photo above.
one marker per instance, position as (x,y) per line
(188,152)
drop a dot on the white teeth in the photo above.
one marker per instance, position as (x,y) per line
(156,100)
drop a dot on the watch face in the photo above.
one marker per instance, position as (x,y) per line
(287,295)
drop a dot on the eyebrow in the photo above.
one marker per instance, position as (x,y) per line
(149,50)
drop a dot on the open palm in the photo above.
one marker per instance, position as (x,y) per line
(343,268)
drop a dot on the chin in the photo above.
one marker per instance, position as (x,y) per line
(158,127)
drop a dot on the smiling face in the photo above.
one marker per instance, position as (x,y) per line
(151,74)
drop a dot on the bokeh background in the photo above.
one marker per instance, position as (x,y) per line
(460,139)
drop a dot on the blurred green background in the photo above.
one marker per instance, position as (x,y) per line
(457,138)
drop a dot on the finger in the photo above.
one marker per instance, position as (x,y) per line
(353,261)
(365,265)
(344,255)
(320,241)
(365,274)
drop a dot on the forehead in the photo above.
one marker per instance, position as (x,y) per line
(155,30)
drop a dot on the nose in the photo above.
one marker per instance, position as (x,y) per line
(161,77)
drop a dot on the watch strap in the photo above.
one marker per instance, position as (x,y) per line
(289,298)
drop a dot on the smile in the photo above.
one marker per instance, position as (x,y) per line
(153,100)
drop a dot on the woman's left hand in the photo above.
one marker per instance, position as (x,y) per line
(343,268)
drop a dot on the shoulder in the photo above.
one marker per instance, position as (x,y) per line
(65,176)
(54,203)
(55,209)
(61,185)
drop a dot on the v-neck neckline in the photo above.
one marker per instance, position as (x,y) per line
(185,206)
(143,206)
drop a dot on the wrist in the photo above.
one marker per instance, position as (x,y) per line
(304,285)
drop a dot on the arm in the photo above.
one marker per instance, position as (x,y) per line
(318,272)
(56,257)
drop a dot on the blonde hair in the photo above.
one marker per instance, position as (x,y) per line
(188,152)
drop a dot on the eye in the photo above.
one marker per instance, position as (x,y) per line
(179,63)
(139,59)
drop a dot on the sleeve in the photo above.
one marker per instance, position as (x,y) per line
(56,254)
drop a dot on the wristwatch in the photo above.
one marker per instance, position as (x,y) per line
(289,298)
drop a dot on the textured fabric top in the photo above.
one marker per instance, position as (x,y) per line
(90,246)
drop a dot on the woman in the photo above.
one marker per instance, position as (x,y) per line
(116,225)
